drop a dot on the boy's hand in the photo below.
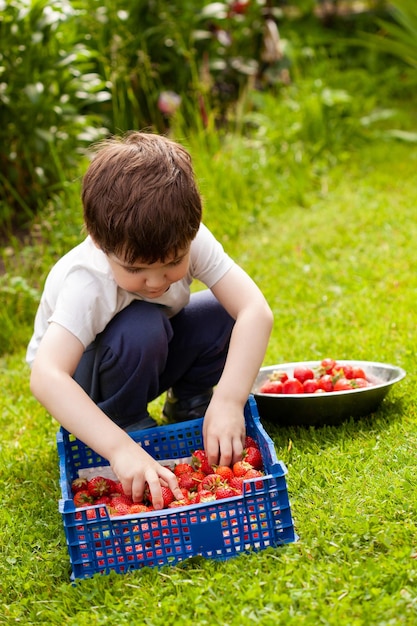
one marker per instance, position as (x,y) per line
(224,432)
(134,468)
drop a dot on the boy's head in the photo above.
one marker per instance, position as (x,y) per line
(140,198)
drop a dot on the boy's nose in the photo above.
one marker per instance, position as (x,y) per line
(155,281)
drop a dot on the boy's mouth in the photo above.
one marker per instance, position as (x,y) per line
(156,293)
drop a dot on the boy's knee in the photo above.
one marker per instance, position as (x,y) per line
(140,327)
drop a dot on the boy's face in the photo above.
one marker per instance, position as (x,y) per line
(149,281)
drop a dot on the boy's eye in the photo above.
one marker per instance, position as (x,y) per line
(177,262)
(133,270)
(137,270)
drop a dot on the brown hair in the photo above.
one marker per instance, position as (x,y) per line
(140,198)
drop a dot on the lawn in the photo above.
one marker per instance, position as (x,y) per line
(337,264)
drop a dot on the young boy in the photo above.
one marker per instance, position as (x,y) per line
(116,325)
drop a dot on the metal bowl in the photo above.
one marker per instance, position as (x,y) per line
(311,409)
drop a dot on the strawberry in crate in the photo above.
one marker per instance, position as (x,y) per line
(198,480)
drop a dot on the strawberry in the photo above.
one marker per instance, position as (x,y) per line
(253,473)
(186,481)
(98,486)
(103,500)
(237,483)
(122,499)
(224,471)
(182,468)
(191,481)
(138,507)
(211,482)
(176,503)
(205,496)
(198,476)
(199,461)
(241,467)
(79,484)
(82,498)
(250,442)
(192,496)
(253,456)
(167,496)
(115,486)
(185,494)
(226,492)
(119,508)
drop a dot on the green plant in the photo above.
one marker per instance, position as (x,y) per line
(202,53)
(399,36)
(46,88)
(19,303)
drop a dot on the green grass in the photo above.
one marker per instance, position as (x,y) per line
(339,272)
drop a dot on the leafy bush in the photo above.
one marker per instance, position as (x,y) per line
(73,71)
(399,37)
(19,304)
(46,89)
(197,53)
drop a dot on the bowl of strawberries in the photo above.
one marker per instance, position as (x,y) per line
(328,391)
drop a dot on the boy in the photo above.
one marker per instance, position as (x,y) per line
(116,325)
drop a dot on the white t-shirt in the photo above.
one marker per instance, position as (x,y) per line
(81,294)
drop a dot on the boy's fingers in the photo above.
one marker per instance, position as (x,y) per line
(212,447)
(173,485)
(155,489)
(138,487)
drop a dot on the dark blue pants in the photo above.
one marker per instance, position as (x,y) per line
(142,353)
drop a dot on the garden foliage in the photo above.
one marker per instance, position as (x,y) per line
(47,87)
(72,71)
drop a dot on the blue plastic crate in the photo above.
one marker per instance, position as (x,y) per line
(98,543)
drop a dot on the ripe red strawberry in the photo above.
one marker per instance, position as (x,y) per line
(272,386)
(119,508)
(253,456)
(199,461)
(226,492)
(253,473)
(224,471)
(98,486)
(138,507)
(237,483)
(176,503)
(183,468)
(250,442)
(82,498)
(192,496)
(121,499)
(198,476)
(211,482)
(167,496)
(115,486)
(79,484)
(103,500)
(205,496)
(241,467)
(186,481)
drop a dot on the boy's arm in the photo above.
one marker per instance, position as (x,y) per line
(52,384)
(223,427)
